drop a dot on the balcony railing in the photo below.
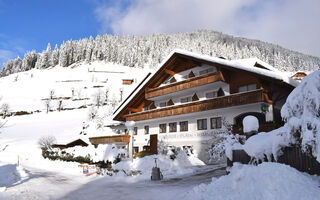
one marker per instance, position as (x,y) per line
(183,85)
(110,139)
(198,106)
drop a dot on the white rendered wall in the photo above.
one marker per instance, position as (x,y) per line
(198,139)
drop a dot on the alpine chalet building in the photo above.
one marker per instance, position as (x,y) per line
(192,97)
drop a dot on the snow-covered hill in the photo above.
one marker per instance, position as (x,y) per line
(151,50)
(80,88)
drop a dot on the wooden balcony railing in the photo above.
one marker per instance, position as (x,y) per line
(110,139)
(220,102)
(183,85)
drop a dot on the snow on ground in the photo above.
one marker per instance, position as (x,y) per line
(182,164)
(20,137)
(26,91)
(264,182)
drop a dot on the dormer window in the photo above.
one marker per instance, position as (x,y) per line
(195,97)
(162,104)
(191,75)
(186,99)
(173,80)
(170,103)
(207,71)
(246,88)
(210,95)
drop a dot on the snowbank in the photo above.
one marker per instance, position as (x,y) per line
(182,164)
(267,144)
(302,112)
(264,182)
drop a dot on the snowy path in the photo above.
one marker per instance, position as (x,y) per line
(47,185)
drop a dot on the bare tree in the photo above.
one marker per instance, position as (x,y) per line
(46,142)
(79,93)
(51,93)
(72,92)
(98,98)
(4,110)
(121,94)
(60,105)
(106,95)
(47,103)
(93,112)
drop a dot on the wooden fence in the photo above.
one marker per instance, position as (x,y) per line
(292,156)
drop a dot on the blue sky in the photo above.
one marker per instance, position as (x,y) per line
(32,24)
(27,25)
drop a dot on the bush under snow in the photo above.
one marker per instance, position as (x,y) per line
(301,113)
(104,152)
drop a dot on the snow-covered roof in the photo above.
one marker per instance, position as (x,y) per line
(248,65)
(66,141)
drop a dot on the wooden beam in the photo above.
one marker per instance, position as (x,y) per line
(170,72)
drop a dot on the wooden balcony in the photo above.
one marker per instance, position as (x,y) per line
(110,139)
(183,85)
(198,106)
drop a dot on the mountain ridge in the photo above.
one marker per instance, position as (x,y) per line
(150,50)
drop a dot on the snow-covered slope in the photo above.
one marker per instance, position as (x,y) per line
(28,91)
(139,51)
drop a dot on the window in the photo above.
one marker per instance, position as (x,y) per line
(185,77)
(215,123)
(207,71)
(183,126)
(211,95)
(162,104)
(135,150)
(186,99)
(202,124)
(252,87)
(135,130)
(173,127)
(146,129)
(246,88)
(162,128)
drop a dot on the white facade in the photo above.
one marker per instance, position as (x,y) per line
(199,140)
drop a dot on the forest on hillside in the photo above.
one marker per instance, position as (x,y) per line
(150,50)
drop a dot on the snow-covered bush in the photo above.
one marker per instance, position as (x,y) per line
(222,145)
(104,152)
(265,145)
(302,114)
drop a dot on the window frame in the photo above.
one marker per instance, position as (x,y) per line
(175,127)
(186,126)
(163,128)
(146,129)
(135,130)
(216,119)
(200,124)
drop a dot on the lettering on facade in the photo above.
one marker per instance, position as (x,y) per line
(202,135)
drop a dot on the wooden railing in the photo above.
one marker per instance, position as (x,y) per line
(110,139)
(220,102)
(183,85)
